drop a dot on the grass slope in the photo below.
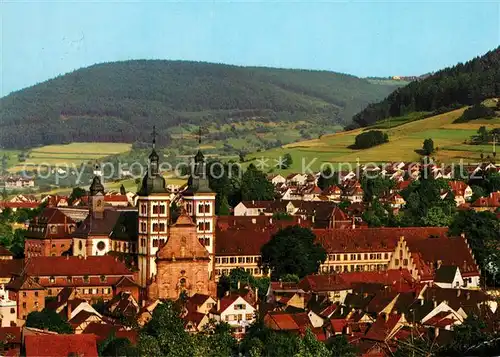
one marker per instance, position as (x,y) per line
(404,138)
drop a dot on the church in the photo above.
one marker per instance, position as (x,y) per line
(171,257)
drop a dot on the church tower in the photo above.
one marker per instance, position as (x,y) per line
(96,209)
(153,205)
(199,203)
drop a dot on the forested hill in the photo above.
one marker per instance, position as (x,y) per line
(120,101)
(464,84)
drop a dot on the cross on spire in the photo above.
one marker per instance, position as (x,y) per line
(154,136)
(199,135)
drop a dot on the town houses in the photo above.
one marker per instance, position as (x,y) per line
(132,252)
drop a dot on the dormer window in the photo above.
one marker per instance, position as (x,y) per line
(103,278)
(52,280)
(85,278)
(53,229)
(69,279)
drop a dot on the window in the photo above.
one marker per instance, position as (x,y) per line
(346,257)
(256,271)
(396,263)
(52,280)
(227,318)
(189,208)
(386,256)
(366,256)
(12,310)
(85,278)
(155,209)
(36,293)
(103,278)
(249,260)
(162,227)
(359,256)
(24,293)
(101,245)
(80,245)
(232,260)
(201,208)
(240,260)
(207,208)
(239,306)
(240,317)
(49,292)
(144,227)
(155,243)
(69,279)
(405,262)
(155,227)
(24,305)
(143,209)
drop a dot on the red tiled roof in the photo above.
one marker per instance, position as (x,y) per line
(380,330)
(4,252)
(102,331)
(322,283)
(10,335)
(61,345)
(371,239)
(115,198)
(228,300)
(10,267)
(338,325)
(458,187)
(68,266)
(27,205)
(493,200)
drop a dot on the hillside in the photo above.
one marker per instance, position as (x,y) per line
(463,84)
(120,101)
(406,135)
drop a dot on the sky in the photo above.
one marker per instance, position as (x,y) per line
(43,39)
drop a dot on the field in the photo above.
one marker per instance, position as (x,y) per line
(70,154)
(406,135)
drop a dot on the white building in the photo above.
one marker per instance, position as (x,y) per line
(8,309)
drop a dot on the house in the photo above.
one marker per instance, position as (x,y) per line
(146,313)
(276,179)
(28,294)
(237,311)
(332,286)
(80,321)
(5,254)
(14,206)
(61,345)
(49,234)
(334,193)
(18,182)
(93,277)
(296,179)
(490,203)
(394,200)
(254,208)
(461,190)
(448,276)
(8,309)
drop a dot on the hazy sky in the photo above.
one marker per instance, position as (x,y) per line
(42,39)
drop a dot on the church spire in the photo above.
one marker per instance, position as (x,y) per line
(153,157)
(198,182)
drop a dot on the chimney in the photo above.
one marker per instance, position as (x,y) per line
(218,305)
(281,283)
(421,302)
(467,295)
(436,332)
(239,285)
(439,262)
(458,292)
(256,294)
(227,293)
(353,223)
(462,235)
(435,303)
(386,317)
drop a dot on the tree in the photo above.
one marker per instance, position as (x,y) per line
(477,192)
(327,178)
(242,156)
(369,139)
(428,146)
(167,329)
(339,346)
(48,319)
(436,217)
(256,186)
(116,346)
(376,187)
(76,194)
(293,250)
(287,161)
(224,208)
(481,230)
(309,346)
(214,340)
